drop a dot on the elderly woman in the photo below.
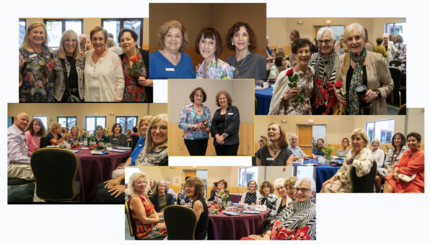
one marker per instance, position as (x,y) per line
(277,152)
(171,61)
(111,45)
(246,63)
(149,224)
(324,64)
(83,44)
(267,197)
(138,88)
(343,48)
(34,131)
(393,156)
(74,134)
(318,150)
(344,151)
(378,48)
(195,188)
(360,157)
(221,187)
(280,188)
(69,69)
(389,47)
(280,65)
(54,137)
(357,68)
(378,156)
(225,125)
(98,135)
(36,66)
(400,55)
(155,151)
(195,120)
(251,196)
(117,138)
(263,141)
(160,198)
(182,198)
(284,100)
(104,80)
(408,173)
(209,46)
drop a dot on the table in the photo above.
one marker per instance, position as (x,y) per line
(223,227)
(322,172)
(95,169)
(263,100)
(235,198)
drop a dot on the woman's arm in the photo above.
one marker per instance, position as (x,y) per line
(214,125)
(59,140)
(385,78)
(363,163)
(379,158)
(233,126)
(137,206)
(183,119)
(119,79)
(290,160)
(123,140)
(170,199)
(198,208)
(413,166)
(21,66)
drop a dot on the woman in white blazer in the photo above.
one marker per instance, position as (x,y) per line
(390,47)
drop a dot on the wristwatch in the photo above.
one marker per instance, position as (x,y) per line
(224,135)
(379,93)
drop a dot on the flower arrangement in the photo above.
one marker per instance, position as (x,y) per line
(74,145)
(328,150)
(338,85)
(224,198)
(215,209)
(294,80)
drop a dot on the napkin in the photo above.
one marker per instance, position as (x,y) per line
(122,147)
(52,146)
(231,213)
(98,152)
(406,178)
(120,151)
(74,151)
(251,212)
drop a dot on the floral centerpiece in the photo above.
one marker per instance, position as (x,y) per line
(328,150)
(224,198)
(215,209)
(294,80)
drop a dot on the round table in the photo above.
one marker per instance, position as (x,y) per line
(224,227)
(263,100)
(322,172)
(95,169)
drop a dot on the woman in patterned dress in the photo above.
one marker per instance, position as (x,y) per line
(36,66)
(267,197)
(149,225)
(252,195)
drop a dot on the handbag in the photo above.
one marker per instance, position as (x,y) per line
(339,106)
(407,178)
(67,92)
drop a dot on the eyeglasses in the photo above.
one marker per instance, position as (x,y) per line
(324,41)
(161,128)
(301,189)
(259,141)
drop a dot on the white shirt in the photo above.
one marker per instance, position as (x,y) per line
(117,50)
(378,157)
(104,81)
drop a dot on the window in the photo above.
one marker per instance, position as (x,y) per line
(381,130)
(10,121)
(114,26)
(247,174)
(338,31)
(396,29)
(55,29)
(44,121)
(127,122)
(67,122)
(22,26)
(92,122)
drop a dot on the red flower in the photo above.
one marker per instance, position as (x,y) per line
(338,84)
(51,65)
(290,72)
(133,58)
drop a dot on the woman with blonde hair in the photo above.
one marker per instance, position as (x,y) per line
(54,137)
(34,131)
(74,134)
(69,69)
(277,149)
(36,66)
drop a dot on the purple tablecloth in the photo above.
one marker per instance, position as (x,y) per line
(235,198)
(223,227)
(95,169)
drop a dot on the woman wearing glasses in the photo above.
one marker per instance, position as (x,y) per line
(345,150)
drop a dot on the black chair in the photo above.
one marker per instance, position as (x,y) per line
(396,75)
(395,62)
(54,172)
(402,110)
(42,142)
(130,220)
(134,141)
(181,222)
(365,183)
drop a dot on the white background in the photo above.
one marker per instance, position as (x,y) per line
(350,219)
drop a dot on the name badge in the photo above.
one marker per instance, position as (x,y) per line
(33,55)
(140,145)
(230,113)
(170,69)
(270,159)
(114,139)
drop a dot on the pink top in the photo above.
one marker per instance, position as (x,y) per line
(33,142)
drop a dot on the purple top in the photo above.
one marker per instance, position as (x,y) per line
(17,151)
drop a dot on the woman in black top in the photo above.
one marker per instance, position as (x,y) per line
(276,153)
(54,137)
(225,125)
(213,191)
(160,198)
(99,137)
(117,138)
(195,188)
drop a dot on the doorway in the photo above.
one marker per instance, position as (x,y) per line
(308,136)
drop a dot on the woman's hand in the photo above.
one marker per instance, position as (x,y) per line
(119,168)
(255,237)
(349,160)
(142,81)
(291,94)
(328,182)
(111,183)
(118,100)
(395,175)
(160,226)
(193,127)
(117,190)
(389,170)
(341,99)
(370,95)
(204,128)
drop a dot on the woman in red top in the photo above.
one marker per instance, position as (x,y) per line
(149,225)
(411,164)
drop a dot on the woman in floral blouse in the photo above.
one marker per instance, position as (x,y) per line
(195,120)
(360,157)
(209,46)
(36,66)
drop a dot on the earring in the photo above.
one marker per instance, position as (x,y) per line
(232,43)
(249,44)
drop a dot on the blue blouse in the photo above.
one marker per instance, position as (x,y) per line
(161,68)
(189,117)
(137,149)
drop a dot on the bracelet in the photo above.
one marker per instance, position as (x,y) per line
(161,219)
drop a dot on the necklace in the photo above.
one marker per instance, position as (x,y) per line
(274,152)
(94,57)
(236,70)
(42,60)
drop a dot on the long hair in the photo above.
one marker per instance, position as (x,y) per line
(133,179)
(42,130)
(71,131)
(62,51)
(283,138)
(26,42)
(149,142)
(155,193)
(143,119)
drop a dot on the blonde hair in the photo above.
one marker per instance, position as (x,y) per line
(290,181)
(55,126)
(61,49)
(164,29)
(363,135)
(26,42)
(133,179)
(71,130)
(278,182)
(149,143)
(145,118)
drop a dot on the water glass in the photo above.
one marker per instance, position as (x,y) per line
(228,203)
(85,143)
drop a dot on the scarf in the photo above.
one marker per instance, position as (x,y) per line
(325,66)
(356,80)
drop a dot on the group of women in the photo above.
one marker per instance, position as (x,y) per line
(391,47)
(195,119)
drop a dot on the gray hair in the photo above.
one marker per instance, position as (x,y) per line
(324,30)
(280,48)
(354,26)
(267,37)
(255,182)
(82,37)
(309,180)
(278,182)
(377,141)
(110,43)
(156,187)
(291,136)
(385,35)
(62,51)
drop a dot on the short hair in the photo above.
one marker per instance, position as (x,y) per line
(320,139)
(278,60)
(279,48)
(296,34)
(132,33)
(135,129)
(385,35)
(145,118)
(224,182)
(402,140)
(354,26)
(280,52)
(97,29)
(224,92)
(26,42)
(265,139)
(149,142)
(54,127)
(415,135)
(133,178)
(392,36)
(110,43)
(377,141)
(345,139)
(301,43)
(110,35)
(100,127)
(363,135)
(82,37)
(325,30)
(283,137)
(199,186)
(75,126)
(279,182)
(194,92)
(255,182)
(399,39)
(290,181)
(309,180)
(113,128)
(379,40)
(42,130)
(164,29)
(215,183)
(235,28)
(161,182)
(213,34)
(265,184)
(62,51)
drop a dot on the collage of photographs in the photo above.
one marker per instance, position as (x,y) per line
(329,115)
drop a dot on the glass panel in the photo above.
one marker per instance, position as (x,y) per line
(131,122)
(101,121)
(62,121)
(90,124)
(75,25)
(121,120)
(71,121)
(112,26)
(135,26)
(21,31)
(44,121)
(54,33)
(338,31)
(9,121)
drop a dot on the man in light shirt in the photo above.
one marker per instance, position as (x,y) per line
(18,160)
(170,191)
(297,151)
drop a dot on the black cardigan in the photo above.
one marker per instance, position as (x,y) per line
(145,56)
(212,197)
(232,123)
(154,200)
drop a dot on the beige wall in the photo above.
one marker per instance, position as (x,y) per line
(81,110)
(415,121)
